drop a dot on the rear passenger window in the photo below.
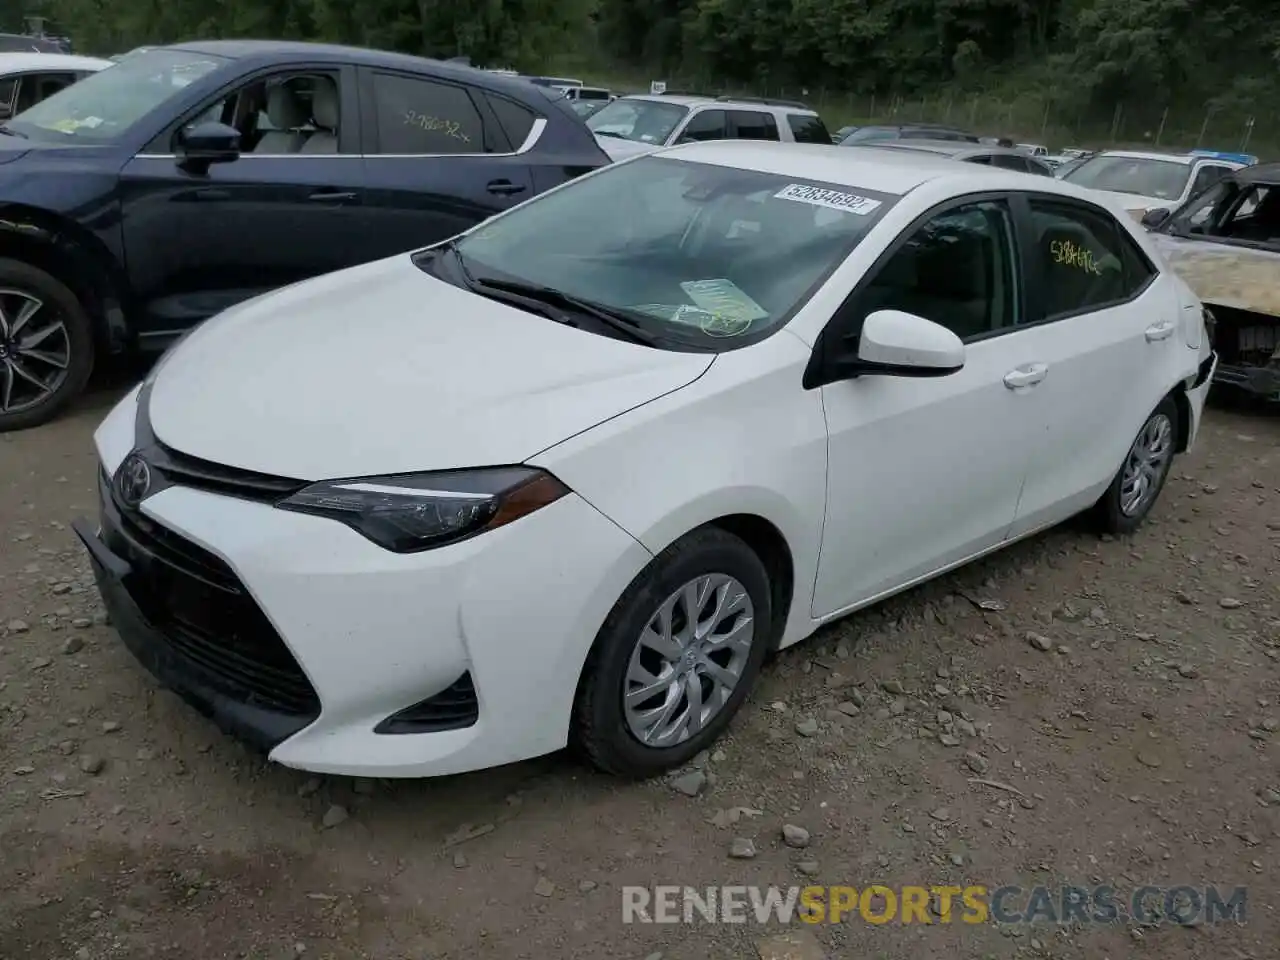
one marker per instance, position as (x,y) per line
(516,121)
(1087,261)
(419,116)
(707,125)
(808,129)
(750,125)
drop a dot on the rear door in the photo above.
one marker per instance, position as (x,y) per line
(1103,331)
(438,158)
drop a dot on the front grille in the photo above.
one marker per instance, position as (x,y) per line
(205,614)
(182,470)
(453,708)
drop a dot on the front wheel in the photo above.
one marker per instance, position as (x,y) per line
(676,657)
(1142,476)
(46,346)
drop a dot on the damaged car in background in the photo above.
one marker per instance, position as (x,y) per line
(1225,243)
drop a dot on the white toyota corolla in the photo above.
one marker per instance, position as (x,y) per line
(569,477)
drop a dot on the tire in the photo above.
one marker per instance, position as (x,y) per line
(603,730)
(22,403)
(1114,511)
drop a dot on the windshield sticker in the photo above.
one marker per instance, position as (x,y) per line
(686,314)
(833,199)
(724,298)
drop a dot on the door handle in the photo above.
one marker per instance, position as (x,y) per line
(1160,331)
(333,196)
(203,195)
(504,188)
(1026,376)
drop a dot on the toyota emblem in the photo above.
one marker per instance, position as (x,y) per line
(134,480)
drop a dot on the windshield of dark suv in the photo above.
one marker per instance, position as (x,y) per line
(682,251)
(103,106)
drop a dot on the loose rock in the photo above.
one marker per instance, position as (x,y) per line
(544,887)
(690,784)
(794,836)
(742,848)
(91,764)
(1040,642)
(72,645)
(333,816)
(807,727)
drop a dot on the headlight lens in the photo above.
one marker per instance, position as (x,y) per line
(408,513)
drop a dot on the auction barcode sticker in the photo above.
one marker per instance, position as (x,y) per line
(822,197)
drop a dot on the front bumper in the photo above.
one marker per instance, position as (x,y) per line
(1198,393)
(370,633)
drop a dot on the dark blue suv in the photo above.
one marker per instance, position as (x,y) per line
(186,179)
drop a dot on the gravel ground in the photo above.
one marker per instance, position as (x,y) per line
(1073,711)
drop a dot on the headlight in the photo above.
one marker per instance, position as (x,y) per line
(408,513)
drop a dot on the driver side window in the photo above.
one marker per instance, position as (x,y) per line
(957,270)
(707,125)
(285,113)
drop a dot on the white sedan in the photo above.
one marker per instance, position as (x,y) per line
(567,478)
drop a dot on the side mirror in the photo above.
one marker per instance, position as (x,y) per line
(1155,218)
(207,143)
(892,344)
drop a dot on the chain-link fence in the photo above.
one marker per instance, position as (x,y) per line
(1036,118)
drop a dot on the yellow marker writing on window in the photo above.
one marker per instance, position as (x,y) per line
(450,128)
(1066,252)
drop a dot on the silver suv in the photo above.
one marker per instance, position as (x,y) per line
(645,122)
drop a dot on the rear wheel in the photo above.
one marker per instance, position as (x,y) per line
(1141,477)
(46,346)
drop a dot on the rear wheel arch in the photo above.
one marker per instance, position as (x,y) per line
(78,259)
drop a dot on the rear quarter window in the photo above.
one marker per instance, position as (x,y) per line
(806,128)
(515,120)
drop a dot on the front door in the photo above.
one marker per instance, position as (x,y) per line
(1111,337)
(440,156)
(288,208)
(926,472)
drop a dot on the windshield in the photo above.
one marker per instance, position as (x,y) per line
(1165,179)
(687,250)
(103,106)
(645,121)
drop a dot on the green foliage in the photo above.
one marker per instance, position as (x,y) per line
(1077,57)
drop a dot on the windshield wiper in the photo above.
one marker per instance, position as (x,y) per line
(10,132)
(615,320)
(609,133)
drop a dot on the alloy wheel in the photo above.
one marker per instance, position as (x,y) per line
(1144,467)
(688,660)
(35,351)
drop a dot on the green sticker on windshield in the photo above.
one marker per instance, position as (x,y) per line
(685,314)
(725,299)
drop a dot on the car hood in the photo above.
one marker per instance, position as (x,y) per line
(1223,274)
(11,148)
(619,149)
(384,369)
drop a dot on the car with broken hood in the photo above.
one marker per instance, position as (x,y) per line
(1225,243)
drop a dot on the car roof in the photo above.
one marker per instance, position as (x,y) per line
(689,100)
(949,148)
(24,62)
(1186,158)
(1266,173)
(895,172)
(285,51)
